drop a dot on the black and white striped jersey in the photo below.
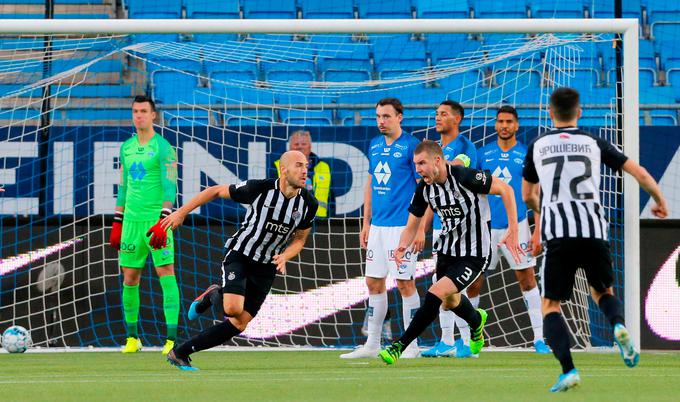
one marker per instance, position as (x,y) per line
(271,218)
(463,208)
(566,163)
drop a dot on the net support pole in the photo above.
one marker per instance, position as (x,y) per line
(631,189)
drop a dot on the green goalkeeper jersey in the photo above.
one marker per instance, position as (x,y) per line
(148,177)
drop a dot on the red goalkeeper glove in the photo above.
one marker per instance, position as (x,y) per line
(116,230)
(159,236)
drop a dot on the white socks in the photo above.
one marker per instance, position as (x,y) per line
(463,325)
(447,321)
(377,310)
(409,306)
(533,302)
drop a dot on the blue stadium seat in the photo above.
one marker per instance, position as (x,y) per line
(503,40)
(237,117)
(219,9)
(442,9)
(418,121)
(666,31)
(101,91)
(462,86)
(350,61)
(605,9)
(186,117)
(171,87)
(518,79)
(7,88)
(19,114)
(305,118)
(658,117)
(293,71)
(673,76)
(270,9)
(243,95)
(449,46)
(215,38)
(377,10)
(396,48)
(250,68)
(145,9)
(658,94)
(662,10)
(553,9)
(594,117)
(499,9)
(92,115)
(315,9)
(357,117)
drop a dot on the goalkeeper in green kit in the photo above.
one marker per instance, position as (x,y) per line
(147,190)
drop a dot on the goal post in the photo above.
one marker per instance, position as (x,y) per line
(628,28)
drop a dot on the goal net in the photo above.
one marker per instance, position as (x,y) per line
(229,104)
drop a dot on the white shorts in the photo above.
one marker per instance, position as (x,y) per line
(527,260)
(382,240)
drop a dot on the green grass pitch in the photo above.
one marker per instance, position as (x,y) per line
(322,376)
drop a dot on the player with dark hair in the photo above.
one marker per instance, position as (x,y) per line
(563,165)
(146,193)
(504,158)
(391,181)
(458,194)
(278,210)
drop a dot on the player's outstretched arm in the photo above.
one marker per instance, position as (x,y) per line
(407,237)
(511,238)
(647,182)
(296,245)
(176,218)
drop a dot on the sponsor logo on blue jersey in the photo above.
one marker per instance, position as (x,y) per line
(506,166)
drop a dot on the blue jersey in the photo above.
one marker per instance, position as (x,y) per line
(393,179)
(506,166)
(461,145)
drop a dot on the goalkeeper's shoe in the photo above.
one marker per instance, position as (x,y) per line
(132,345)
(198,306)
(541,348)
(567,381)
(169,344)
(441,349)
(362,352)
(629,355)
(477,335)
(181,362)
(392,353)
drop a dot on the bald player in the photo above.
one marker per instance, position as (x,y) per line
(279,216)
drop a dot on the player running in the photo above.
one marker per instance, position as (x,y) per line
(458,194)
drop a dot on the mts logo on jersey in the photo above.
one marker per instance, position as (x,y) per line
(382,173)
(277,227)
(451,211)
(503,174)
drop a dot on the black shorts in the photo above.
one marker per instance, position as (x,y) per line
(250,279)
(463,271)
(564,256)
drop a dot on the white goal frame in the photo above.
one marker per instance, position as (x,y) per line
(628,27)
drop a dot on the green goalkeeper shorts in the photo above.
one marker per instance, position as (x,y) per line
(134,246)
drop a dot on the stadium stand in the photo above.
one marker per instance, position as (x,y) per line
(370,58)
